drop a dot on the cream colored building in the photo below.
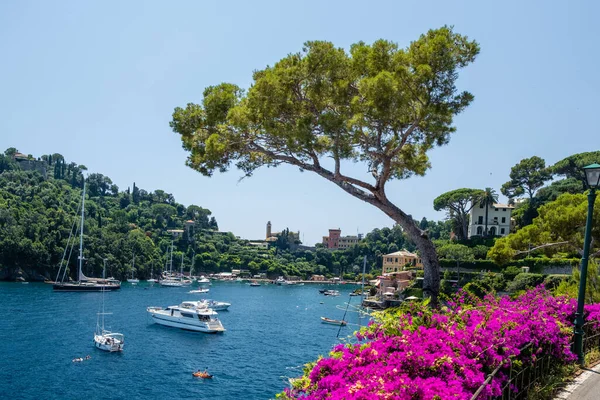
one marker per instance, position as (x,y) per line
(499,220)
(395,262)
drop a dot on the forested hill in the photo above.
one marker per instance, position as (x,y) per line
(39,202)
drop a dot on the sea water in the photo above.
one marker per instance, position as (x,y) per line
(271,332)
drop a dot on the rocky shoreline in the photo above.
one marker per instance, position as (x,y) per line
(18,274)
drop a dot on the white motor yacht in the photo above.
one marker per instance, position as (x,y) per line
(187,316)
(215,305)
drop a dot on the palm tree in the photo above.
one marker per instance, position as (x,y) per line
(489,196)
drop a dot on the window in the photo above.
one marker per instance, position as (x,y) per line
(495,209)
(502,231)
(187,315)
(480,220)
(503,221)
(480,205)
(479,230)
(504,209)
(396,259)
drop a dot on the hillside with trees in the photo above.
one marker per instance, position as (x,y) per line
(39,206)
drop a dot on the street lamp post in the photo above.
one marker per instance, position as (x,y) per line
(592,175)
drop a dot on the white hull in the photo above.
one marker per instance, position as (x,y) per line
(199,291)
(162,317)
(108,343)
(170,284)
(133,280)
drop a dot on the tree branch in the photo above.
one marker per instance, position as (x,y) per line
(542,247)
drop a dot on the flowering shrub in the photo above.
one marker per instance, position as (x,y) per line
(417,353)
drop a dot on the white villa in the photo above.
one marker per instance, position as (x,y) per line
(498,220)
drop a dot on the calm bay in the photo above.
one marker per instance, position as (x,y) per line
(271,332)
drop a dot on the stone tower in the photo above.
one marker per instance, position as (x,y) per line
(268,229)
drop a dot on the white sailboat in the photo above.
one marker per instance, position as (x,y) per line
(152,280)
(107,340)
(133,280)
(171,281)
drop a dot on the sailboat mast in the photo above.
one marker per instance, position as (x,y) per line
(81,233)
(181,264)
(171,263)
(133,266)
(362,290)
(193,260)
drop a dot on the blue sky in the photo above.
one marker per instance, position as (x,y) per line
(98,81)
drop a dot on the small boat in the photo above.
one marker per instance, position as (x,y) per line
(254,283)
(199,291)
(331,293)
(107,340)
(203,375)
(280,281)
(333,321)
(133,281)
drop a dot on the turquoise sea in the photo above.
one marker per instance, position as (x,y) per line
(271,332)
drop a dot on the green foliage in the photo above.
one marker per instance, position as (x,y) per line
(560,222)
(551,282)
(525,281)
(572,166)
(480,251)
(556,188)
(325,102)
(511,272)
(458,203)
(494,281)
(478,289)
(477,265)
(570,287)
(526,177)
(456,252)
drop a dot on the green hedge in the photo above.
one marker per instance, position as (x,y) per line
(535,264)
(475,265)
(525,281)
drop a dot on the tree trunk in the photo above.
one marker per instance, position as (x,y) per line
(485,232)
(465,227)
(431,265)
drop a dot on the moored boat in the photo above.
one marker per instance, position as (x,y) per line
(188,317)
(107,340)
(199,291)
(83,283)
(333,321)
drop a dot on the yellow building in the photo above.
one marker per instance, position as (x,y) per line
(395,262)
